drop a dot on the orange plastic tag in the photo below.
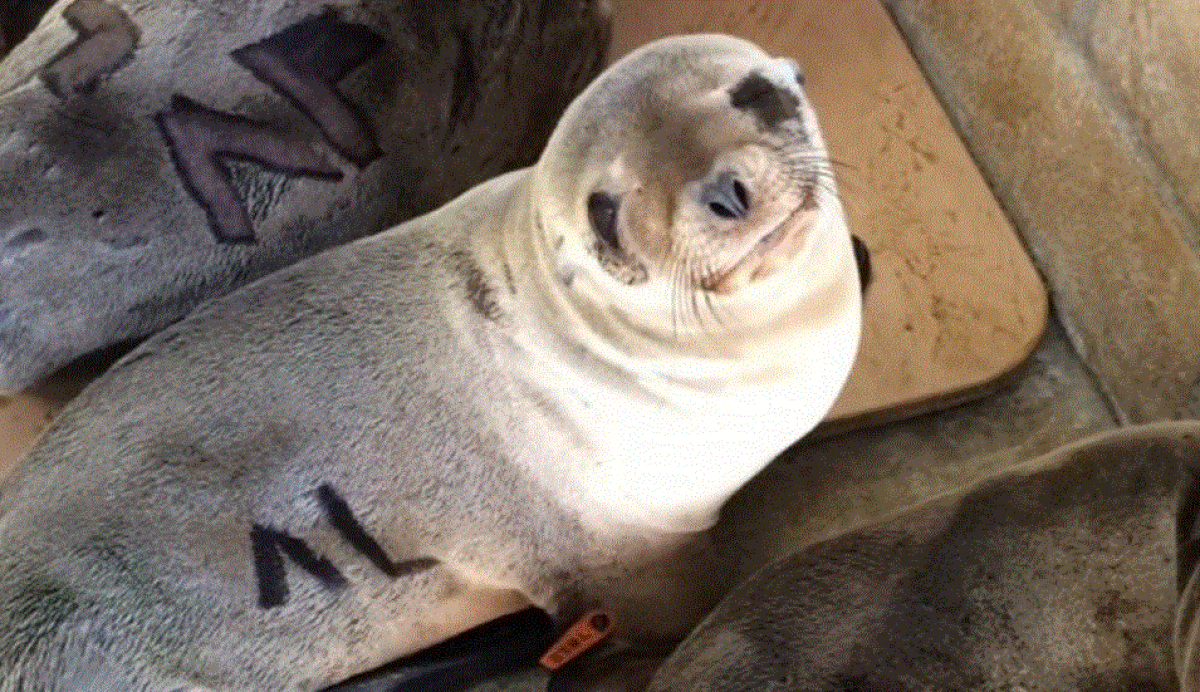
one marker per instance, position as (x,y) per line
(587,632)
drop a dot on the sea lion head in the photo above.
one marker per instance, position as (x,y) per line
(685,201)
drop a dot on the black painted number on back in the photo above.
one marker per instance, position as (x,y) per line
(107,39)
(269,546)
(202,139)
(303,63)
(266,544)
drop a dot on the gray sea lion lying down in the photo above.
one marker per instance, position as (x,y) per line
(1060,576)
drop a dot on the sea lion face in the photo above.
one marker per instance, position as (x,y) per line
(694,178)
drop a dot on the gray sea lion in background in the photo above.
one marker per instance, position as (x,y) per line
(540,394)
(157,154)
(1060,576)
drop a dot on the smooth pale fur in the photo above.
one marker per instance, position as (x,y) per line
(1059,576)
(548,441)
(100,241)
(698,407)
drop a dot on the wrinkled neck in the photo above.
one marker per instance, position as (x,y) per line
(664,430)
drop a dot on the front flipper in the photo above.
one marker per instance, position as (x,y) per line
(493,648)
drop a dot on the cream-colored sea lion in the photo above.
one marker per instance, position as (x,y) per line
(540,394)
(1060,576)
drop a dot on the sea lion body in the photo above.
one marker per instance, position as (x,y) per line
(1058,576)
(154,155)
(390,442)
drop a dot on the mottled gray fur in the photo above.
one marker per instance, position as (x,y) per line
(125,560)
(461,92)
(1061,576)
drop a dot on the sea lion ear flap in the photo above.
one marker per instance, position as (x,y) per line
(501,646)
(862,256)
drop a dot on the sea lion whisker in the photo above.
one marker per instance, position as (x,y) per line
(676,279)
(695,306)
(712,307)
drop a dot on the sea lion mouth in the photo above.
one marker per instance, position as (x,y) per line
(768,254)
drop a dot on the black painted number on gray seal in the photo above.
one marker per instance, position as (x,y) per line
(303,63)
(270,545)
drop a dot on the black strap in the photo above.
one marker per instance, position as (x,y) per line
(501,646)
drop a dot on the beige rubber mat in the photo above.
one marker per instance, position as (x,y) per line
(956,302)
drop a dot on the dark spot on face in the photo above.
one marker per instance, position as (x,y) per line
(770,104)
(862,255)
(23,240)
(479,291)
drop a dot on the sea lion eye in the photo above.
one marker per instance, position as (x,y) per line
(602,211)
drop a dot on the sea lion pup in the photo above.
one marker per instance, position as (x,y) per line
(539,394)
(1060,576)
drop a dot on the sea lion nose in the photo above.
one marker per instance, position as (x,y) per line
(726,196)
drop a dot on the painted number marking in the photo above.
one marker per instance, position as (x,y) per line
(268,564)
(303,63)
(270,546)
(202,138)
(107,38)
